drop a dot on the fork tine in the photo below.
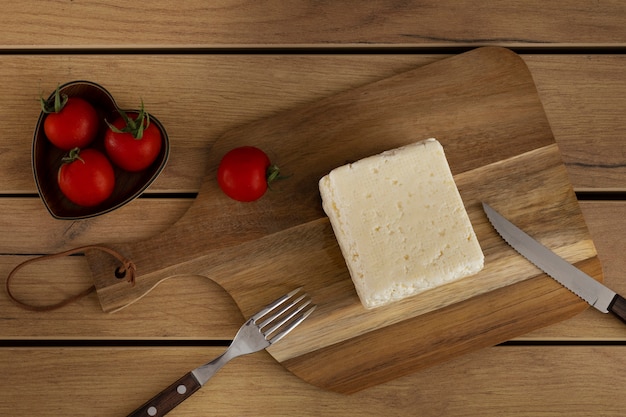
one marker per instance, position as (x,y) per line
(291,325)
(287,314)
(274,304)
(278,313)
(250,338)
(284,319)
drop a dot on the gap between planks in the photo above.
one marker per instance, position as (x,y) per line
(328,49)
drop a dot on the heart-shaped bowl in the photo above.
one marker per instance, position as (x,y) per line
(47,159)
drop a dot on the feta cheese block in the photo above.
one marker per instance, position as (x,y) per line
(400,223)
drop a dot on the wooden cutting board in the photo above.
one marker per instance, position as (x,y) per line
(484,109)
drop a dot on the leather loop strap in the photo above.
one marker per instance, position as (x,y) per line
(126,270)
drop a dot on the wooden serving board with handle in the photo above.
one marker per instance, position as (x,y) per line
(484,108)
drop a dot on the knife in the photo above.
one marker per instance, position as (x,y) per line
(566,274)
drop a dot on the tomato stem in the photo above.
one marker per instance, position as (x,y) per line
(74,155)
(56,105)
(134,126)
(273,174)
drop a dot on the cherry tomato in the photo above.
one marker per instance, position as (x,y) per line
(244,173)
(132,142)
(72,123)
(86,178)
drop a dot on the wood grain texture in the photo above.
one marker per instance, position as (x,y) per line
(273,23)
(606,225)
(500,149)
(213,313)
(586,116)
(542,382)
(196,97)
(582,96)
(204,93)
(28,228)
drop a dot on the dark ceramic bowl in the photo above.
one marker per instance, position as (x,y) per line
(46,159)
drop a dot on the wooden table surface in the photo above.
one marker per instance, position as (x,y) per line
(206,67)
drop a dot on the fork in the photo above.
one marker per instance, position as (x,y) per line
(263,329)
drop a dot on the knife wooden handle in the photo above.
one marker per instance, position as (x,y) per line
(169,398)
(618,307)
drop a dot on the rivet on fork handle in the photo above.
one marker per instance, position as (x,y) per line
(266,327)
(169,398)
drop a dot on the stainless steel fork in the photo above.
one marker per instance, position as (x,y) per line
(263,329)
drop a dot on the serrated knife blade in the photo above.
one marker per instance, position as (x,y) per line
(572,278)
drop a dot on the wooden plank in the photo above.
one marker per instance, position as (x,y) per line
(214,315)
(196,97)
(606,226)
(540,382)
(28,228)
(582,96)
(243,23)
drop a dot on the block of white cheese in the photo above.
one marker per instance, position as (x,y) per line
(400,223)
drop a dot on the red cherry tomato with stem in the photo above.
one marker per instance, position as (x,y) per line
(86,178)
(71,122)
(245,172)
(132,142)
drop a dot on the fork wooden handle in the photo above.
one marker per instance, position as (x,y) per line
(169,398)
